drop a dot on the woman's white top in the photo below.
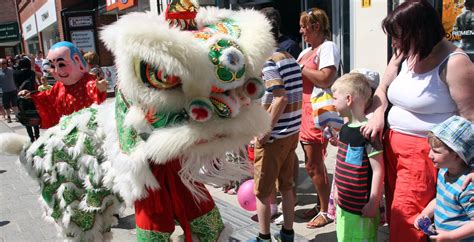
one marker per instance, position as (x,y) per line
(420,101)
(327,55)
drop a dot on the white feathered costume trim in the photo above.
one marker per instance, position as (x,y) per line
(129,175)
(50,141)
(200,147)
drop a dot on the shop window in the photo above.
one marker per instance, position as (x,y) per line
(33,45)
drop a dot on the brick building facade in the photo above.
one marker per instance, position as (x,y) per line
(8,26)
(45,22)
(8,12)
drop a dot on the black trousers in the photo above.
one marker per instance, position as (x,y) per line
(36,135)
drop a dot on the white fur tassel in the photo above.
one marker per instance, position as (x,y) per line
(135,118)
(215,170)
(12,143)
(127,175)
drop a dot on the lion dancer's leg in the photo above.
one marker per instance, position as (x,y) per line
(156,213)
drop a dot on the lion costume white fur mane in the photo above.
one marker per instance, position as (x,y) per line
(179,53)
(180,95)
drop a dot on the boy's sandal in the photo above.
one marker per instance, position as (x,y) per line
(320,220)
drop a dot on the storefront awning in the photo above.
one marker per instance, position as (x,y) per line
(9,44)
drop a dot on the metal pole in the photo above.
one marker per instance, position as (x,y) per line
(20,30)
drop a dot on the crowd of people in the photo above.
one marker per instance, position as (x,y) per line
(31,73)
(409,138)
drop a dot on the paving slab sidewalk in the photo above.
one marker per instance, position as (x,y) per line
(21,216)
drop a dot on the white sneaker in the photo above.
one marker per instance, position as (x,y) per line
(279,220)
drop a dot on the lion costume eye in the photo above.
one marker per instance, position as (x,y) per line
(155,77)
(229,64)
(254,88)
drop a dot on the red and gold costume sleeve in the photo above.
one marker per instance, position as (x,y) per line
(45,102)
(64,100)
(93,92)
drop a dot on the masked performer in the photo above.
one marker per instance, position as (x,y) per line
(74,90)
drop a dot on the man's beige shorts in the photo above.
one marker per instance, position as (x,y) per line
(275,162)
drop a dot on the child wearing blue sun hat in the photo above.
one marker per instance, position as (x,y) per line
(452,151)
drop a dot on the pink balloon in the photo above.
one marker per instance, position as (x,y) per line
(246,197)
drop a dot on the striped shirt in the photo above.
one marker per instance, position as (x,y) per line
(453,208)
(353,175)
(282,71)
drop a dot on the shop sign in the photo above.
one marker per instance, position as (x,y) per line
(81,21)
(9,32)
(111,4)
(458,23)
(46,15)
(120,4)
(29,27)
(83,39)
(366,3)
(80,29)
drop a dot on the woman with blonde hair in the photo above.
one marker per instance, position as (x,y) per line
(319,64)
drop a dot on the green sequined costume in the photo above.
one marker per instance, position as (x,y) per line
(67,162)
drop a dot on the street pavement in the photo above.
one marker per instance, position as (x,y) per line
(21,215)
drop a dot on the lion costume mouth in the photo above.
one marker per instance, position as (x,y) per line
(207,139)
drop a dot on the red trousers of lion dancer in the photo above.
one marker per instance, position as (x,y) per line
(156,214)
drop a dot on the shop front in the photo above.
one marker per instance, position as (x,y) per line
(458,23)
(46,21)
(30,35)
(125,6)
(9,39)
(355,27)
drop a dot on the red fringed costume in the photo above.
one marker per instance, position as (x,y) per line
(63,100)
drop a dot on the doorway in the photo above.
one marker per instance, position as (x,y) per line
(339,20)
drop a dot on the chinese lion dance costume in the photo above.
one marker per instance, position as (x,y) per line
(185,83)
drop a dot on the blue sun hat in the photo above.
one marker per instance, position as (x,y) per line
(458,134)
(372,76)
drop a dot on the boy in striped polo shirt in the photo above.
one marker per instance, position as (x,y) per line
(359,164)
(451,150)
(275,155)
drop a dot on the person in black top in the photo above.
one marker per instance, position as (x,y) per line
(25,79)
(285,43)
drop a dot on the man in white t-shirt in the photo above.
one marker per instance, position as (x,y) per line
(39,58)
